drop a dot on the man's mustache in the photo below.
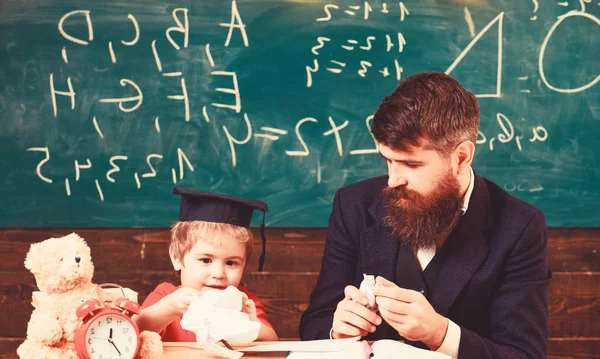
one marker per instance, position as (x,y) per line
(396,194)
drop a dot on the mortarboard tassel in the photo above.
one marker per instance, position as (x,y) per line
(261,260)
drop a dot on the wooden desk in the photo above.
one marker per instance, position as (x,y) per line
(185,350)
(188,350)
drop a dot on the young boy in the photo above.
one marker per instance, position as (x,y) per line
(210,245)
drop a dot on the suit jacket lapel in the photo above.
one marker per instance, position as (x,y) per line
(378,246)
(466,249)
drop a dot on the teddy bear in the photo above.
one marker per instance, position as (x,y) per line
(63,272)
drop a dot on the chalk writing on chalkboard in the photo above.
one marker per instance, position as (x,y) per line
(174,114)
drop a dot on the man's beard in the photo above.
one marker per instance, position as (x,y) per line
(418,221)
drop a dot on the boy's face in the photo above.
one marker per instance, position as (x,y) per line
(207,266)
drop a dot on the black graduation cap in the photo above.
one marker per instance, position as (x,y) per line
(219,208)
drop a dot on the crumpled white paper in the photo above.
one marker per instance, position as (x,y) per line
(366,286)
(216,315)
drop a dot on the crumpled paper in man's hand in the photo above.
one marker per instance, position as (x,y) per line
(366,287)
(216,315)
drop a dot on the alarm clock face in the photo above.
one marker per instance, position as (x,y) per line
(110,336)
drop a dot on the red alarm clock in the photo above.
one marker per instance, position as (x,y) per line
(106,330)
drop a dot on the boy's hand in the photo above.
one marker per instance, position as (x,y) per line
(352,317)
(249,308)
(180,300)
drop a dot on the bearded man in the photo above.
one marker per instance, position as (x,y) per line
(461,264)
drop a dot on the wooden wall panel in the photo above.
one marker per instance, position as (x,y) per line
(137,258)
(569,250)
(577,348)
(574,249)
(575,305)
(138,249)
(8,348)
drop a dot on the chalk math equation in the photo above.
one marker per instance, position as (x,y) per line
(129,95)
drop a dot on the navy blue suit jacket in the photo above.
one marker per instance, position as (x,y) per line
(493,282)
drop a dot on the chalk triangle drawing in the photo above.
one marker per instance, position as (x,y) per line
(498,19)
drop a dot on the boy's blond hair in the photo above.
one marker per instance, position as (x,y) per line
(185,234)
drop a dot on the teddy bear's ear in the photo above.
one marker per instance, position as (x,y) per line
(33,257)
(79,240)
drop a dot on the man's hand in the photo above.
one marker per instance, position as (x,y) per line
(352,318)
(249,307)
(180,300)
(410,314)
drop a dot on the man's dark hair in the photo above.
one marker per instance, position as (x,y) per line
(430,105)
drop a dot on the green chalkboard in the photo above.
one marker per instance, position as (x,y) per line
(105,105)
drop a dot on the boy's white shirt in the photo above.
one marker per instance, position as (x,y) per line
(451,343)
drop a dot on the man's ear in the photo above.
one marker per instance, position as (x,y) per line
(177,265)
(464,153)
